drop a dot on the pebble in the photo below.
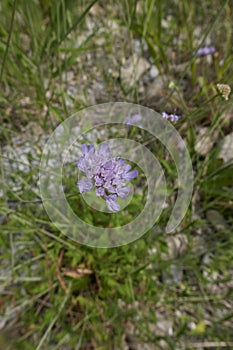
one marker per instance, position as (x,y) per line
(132,71)
(226,152)
(204,141)
(153,72)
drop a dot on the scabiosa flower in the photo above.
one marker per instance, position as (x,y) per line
(108,175)
(134,119)
(172,117)
(206,50)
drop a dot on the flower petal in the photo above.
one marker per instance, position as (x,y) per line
(131,175)
(85,185)
(112,205)
(134,119)
(123,192)
(109,187)
(100,192)
(104,151)
(98,181)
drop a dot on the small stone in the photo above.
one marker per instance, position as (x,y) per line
(162,327)
(207,258)
(226,152)
(191,325)
(156,87)
(217,220)
(177,245)
(133,70)
(176,273)
(204,141)
(137,46)
(154,72)
(156,93)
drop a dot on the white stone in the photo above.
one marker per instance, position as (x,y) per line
(153,72)
(226,152)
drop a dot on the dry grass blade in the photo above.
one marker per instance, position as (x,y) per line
(78,272)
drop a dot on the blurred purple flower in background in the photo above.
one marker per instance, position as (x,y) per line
(108,175)
(171,117)
(206,50)
(134,119)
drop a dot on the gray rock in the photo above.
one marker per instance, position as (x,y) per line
(226,152)
(204,141)
(133,69)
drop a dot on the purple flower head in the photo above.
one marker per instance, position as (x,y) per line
(206,50)
(171,117)
(134,119)
(108,175)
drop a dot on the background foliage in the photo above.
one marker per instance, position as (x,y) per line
(167,291)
